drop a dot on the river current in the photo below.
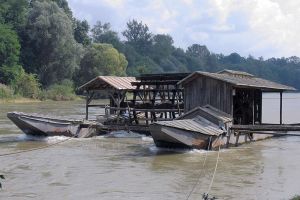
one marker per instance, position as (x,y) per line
(129,166)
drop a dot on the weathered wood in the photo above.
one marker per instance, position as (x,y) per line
(280,108)
(98,105)
(274,133)
(264,127)
(144,110)
(204,90)
(237,139)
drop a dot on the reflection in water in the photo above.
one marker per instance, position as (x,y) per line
(131,167)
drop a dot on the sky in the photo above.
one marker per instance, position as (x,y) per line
(267,28)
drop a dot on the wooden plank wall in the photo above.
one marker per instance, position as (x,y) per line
(204,90)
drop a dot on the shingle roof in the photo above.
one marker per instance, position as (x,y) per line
(239,79)
(104,82)
(197,124)
(211,113)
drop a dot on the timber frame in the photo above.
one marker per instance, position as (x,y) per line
(137,101)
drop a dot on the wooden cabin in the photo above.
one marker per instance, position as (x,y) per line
(234,92)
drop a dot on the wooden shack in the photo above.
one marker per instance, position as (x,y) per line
(114,87)
(234,92)
(135,102)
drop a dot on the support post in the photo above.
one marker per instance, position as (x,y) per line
(87,106)
(281,107)
(89,98)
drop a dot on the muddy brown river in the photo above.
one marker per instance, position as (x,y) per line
(129,166)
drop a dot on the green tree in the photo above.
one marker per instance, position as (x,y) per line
(9,55)
(14,13)
(138,36)
(101,59)
(197,50)
(50,50)
(162,47)
(81,32)
(27,85)
(63,4)
(102,33)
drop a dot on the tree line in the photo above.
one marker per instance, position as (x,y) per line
(43,45)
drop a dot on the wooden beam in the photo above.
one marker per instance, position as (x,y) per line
(280,107)
(277,127)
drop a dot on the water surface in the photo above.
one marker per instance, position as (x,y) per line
(129,166)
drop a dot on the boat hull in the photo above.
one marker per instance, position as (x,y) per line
(43,126)
(170,137)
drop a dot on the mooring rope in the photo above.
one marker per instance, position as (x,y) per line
(206,195)
(34,149)
(202,170)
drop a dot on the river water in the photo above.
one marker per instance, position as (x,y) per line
(129,166)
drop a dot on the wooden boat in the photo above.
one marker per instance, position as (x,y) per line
(200,128)
(44,126)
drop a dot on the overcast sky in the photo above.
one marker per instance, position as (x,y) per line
(268,28)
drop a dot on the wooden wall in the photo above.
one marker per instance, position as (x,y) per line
(204,90)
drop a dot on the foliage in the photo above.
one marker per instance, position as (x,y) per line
(6,92)
(81,32)
(102,33)
(14,13)
(138,36)
(59,92)
(162,47)
(297,197)
(101,59)
(9,55)
(27,85)
(50,50)
(65,6)
(42,37)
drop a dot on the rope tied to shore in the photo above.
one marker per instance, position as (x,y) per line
(206,195)
(202,170)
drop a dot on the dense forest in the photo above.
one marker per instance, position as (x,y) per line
(43,47)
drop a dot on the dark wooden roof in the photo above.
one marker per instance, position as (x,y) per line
(210,113)
(162,77)
(109,82)
(206,120)
(197,124)
(239,79)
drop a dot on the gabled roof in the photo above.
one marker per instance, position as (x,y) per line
(113,82)
(238,79)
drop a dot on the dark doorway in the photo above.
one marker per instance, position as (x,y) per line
(247,106)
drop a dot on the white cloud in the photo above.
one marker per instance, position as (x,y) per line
(275,23)
(257,27)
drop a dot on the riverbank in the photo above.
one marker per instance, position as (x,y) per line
(18,100)
(57,92)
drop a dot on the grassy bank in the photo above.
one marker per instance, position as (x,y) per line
(57,92)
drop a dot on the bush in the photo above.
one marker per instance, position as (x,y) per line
(60,92)
(297,197)
(28,86)
(6,92)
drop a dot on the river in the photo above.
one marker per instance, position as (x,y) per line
(129,166)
